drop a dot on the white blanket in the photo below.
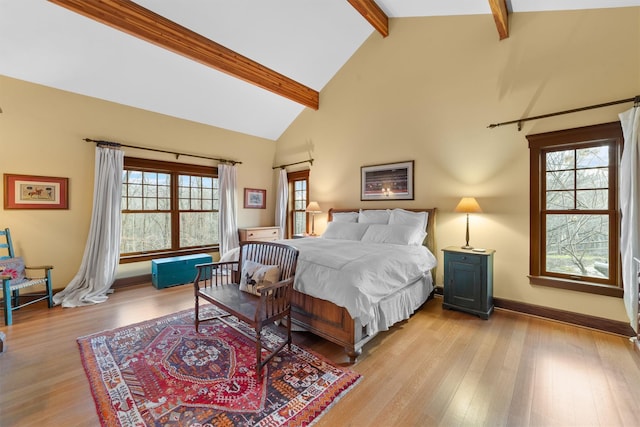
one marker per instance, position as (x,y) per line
(353,274)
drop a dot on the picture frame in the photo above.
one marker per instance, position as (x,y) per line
(255,198)
(35,192)
(390,181)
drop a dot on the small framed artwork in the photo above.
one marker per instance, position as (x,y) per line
(35,192)
(391,181)
(255,199)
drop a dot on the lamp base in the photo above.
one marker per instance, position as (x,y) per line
(466,247)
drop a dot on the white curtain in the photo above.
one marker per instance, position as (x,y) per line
(629,202)
(228,228)
(282,199)
(102,251)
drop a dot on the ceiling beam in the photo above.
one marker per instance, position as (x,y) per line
(131,18)
(500,15)
(372,13)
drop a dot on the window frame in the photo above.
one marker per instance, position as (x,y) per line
(174,169)
(539,145)
(292,178)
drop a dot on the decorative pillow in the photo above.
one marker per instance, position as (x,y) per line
(345,217)
(396,234)
(13,267)
(373,216)
(256,275)
(344,230)
(404,217)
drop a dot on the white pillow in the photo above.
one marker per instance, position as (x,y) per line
(396,234)
(344,230)
(345,216)
(256,275)
(416,219)
(374,216)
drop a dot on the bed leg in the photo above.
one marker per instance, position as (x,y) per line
(353,353)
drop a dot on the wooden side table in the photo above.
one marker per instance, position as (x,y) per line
(468,280)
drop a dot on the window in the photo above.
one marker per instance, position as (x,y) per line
(167,209)
(298,200)
(574,209)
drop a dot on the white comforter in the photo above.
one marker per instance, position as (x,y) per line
(353,274)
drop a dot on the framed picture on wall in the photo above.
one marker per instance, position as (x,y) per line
(35,192)
(391,181)
(255,198)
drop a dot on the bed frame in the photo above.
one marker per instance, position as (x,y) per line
(334,323)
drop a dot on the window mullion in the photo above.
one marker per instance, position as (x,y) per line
(175,212)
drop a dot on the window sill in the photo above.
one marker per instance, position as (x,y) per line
(127,259)
(576,285)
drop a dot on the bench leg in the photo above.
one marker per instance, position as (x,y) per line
(289,331)
(258,353)
(197,314)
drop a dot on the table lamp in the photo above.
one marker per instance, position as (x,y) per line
(468,205)
(313,208)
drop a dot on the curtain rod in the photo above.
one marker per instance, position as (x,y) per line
(117,144)
(291,164)
(636,101)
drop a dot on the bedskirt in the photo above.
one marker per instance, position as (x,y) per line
(400,305)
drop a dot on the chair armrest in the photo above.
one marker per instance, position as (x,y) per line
(275,300)
(209,264)
(39,267)
(275,285)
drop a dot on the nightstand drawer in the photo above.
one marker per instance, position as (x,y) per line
(472,259)
(262,234)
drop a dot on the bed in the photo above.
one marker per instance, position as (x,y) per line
(333,321)
(369,270)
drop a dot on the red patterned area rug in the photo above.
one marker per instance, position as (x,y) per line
(162,373)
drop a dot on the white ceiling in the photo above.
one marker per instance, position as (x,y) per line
(308,41)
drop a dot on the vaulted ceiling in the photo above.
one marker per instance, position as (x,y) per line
(247,66)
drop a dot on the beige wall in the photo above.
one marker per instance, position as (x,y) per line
(427,93)
(41,132)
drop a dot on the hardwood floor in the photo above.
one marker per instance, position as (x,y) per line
(439,368)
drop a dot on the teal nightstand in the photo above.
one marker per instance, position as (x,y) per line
(468,281)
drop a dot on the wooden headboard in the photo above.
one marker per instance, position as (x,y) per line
(429,241)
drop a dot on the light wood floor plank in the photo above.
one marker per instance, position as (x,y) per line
(439,368)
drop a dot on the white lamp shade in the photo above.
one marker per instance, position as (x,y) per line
(313,207)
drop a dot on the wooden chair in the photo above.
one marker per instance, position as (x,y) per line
(219,283)
(14,277)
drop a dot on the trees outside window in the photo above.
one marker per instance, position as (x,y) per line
(574,209)
(167,209)
(298,200)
